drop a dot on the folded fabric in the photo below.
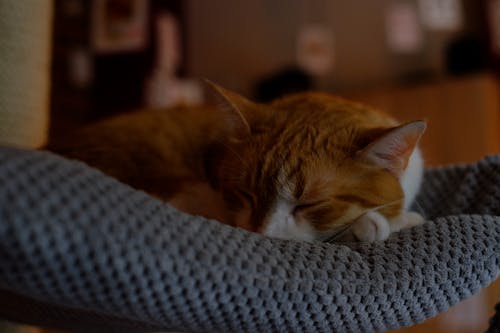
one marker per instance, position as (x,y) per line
(82,251)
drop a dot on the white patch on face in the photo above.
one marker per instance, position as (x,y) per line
(282,224)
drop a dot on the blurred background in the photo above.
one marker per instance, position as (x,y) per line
(67,63)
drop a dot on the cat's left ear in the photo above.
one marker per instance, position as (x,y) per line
(235,109)
(393,149)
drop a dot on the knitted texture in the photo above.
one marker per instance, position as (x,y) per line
(80,250)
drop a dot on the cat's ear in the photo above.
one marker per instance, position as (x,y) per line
(233,108)
(393,149)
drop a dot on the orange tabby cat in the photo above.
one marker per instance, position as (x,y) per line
(308,166)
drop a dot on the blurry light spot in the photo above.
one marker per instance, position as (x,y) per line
(441,14)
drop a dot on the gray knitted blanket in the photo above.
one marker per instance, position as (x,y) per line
(80,250)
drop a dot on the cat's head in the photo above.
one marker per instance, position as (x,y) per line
(306,166)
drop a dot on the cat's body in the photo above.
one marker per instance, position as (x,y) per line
(304,167)
(163,152)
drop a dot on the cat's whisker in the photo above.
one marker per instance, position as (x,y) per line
(336,235)
(349,225)
(420,209)
(386,205)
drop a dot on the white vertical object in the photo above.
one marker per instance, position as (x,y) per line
(25,45)
(163,88)
(168,54)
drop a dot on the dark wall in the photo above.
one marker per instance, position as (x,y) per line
(116,79)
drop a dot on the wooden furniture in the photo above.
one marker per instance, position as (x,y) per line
(463,116)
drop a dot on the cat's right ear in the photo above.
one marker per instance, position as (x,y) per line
(235,109)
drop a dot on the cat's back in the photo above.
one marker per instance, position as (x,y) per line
(146,148)
(333,110)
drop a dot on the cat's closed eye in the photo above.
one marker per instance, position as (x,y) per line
(302,207)
(246,198)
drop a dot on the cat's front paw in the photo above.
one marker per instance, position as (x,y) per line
(406,220)
(371,227)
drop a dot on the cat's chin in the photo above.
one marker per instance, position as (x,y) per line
(282,224)
(303,232)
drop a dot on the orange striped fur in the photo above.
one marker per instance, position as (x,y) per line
(237,160)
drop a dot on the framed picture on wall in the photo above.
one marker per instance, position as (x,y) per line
(119,25)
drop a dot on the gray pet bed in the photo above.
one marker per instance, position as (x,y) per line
(82,251)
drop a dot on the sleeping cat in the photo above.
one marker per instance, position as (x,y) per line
(308,166)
